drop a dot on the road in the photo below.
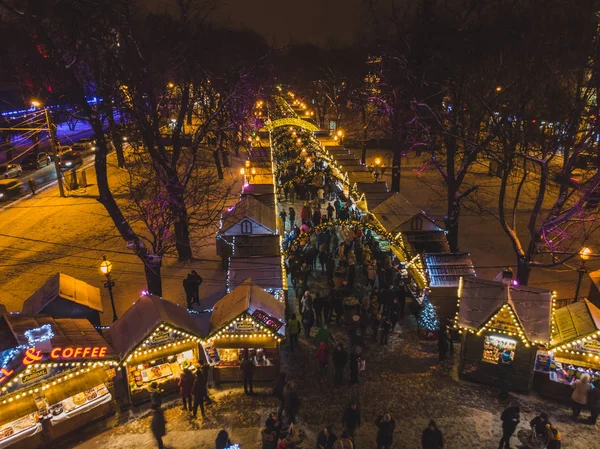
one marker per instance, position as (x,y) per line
(47,175)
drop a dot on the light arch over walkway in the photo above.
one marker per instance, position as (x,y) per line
(290,122)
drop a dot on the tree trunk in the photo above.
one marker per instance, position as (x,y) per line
(153,279)
(396,157)
(115,135)
(451,224)
(181,226)
(218,163)
(523,271)
(363,156)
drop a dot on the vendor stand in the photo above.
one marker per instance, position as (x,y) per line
(56,376)
(574,350)
(497,317)
(156,339)
(246,323)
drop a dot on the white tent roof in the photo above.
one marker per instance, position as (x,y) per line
(248,297)
(264,271)
(249,207)
(395,211)
(66,287)
(481,299)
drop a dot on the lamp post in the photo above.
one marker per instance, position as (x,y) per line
(584,255)
(340,135)
(375,168)
(106,268)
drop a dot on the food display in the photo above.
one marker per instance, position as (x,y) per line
(494,346)
(20,425)
(567,373)
(234,357)
(160,370)
(79,402)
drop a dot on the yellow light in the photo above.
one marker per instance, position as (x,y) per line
(585,253)
(35,103)
(253,171)
(498,88)
(170,85)
(340,133)
(242,171)
(105,266)
(377,161)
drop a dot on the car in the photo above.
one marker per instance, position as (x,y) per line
(9,188)
(79,148)
(36,160)
(10,171)
(70,160)
(88,143)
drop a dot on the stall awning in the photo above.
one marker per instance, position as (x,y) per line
(145,315)
(63,286)
(396,211)
(264,271)
(446,269)
(575,321)
(248,297)
(75,385)
(20,408)
(481,299)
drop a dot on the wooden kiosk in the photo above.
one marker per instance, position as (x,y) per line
(246,323)
(495,317)
(156,339)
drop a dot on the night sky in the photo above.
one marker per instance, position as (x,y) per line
(321,22)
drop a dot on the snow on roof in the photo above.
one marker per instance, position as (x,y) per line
(145,315)
(264,271)
(446,269)
(249,207)
(67,331)
(595,277)
(395,211)
(372,187)
(63,286)
(481,299)
(248,297)
(574,321)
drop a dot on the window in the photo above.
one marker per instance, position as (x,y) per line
(246,227)
(416,224)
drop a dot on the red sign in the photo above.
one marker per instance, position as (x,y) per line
(88,352)
(272,323)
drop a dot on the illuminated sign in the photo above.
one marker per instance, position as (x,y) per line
(34,375)
(4,373)
(272,323)
(160,337)
(32,356)
(96,352)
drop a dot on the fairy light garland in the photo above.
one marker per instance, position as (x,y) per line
(228,331)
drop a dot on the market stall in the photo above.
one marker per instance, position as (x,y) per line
(56,372)
(156,339)
(574,350)
(497,317)
(246,323)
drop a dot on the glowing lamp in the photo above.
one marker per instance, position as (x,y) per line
(377,161)
(253,171)
(242,171)
(585,253)
(340,133)
(35,103)
(247,163)
(105,266)
(170,85)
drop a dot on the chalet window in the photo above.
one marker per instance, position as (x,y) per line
(246,227)
(416,224)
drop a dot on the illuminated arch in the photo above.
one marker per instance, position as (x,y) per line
(290,122)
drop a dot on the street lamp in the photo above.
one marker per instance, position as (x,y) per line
(340,135)
(35,103)
(584,255)
(106,268)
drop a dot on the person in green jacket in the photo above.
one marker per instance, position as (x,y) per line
(324,335)
(294,328)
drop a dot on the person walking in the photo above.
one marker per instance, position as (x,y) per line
(318,308)
(200,392)
(321,195)
(294,328)
(432,437)
(355,360)
(322,355)
(505,370)
(205,368)
(247,368)
(330,210)
(188,287)
(316,217)
(594,401)
(394,314)
(442,342)
(371,273)
(278,391)
(385,433)
(186,383)
(32,185)
(286,191)
(308,320)
(344,441)
(581,388)
(351,419)
(351,268)
(283,216)
(330,268)
(292,217)
(222,441)
(324,335)
(375,322)
(326,438)
(158,425)
(510,419)
(155,394)
(194,282)
(386,325)
(291,402)
(340,358)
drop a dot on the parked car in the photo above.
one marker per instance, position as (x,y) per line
(9,188)
(88,143)
(70,160)
(10,171)
(35,161)
(80,149)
